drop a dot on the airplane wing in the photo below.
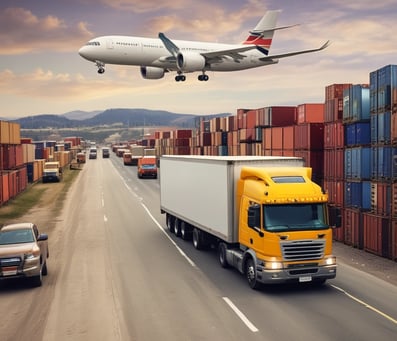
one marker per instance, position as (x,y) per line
(283,55)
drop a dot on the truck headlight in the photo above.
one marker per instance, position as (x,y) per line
(274,265)
(330,261)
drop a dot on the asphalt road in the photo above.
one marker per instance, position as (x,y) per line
(115,273)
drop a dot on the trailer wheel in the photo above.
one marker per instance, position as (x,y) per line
(251,275)
(186,231)
(222,255)
(177,227)
(197,243)
(170,222)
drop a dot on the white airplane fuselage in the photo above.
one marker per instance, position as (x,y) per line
(139,51)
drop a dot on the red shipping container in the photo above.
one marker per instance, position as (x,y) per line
(377,235)
(5,187)
(394,200)
(205,139)
(394,240)
(334,164)
(313,159)
(288,137)
(353,227)
(277,138)
(182,133)
(309,136)
(310,113)
(26,140)
(280,116)
(251,119)
(380,198)
(267,138)
(333,110)
(335,90)
(335,190)
(334,135)
(394,127)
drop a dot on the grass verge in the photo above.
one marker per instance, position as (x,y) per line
(34,196)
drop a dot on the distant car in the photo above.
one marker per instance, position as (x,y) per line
(23,252)
(92,154)
(105,152)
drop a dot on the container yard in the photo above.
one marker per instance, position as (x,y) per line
(349,140)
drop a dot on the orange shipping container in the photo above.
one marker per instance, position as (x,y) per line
(4,132)
(277,138)
(310,113)
(288,138)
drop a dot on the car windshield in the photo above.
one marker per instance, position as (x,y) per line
(294,217)
(16,236)
(148,166)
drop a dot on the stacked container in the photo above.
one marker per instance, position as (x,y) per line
(357,185)
(334,149)
(379,224)
(13,173)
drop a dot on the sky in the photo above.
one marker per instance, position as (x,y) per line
(41,71)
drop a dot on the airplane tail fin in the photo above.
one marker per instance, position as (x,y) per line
(262,34)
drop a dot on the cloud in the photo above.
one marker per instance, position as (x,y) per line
(23,32)
(144,6)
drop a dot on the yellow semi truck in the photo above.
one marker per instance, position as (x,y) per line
(265,215)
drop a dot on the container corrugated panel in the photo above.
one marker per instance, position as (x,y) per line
(281,116)
(382,160)
(288,137)
(277,138)
(358,133)
(310,113)
(377,234)
(358,195)
(353,227)
(335,90)
(394,240)
(381,196)
(267,138)
(5,187)
(333,135)
(381,127)
(334,164)
(356,103)
(309,136)
(335,190)
(333,110)
(394,127)
(357,161)
(4,132)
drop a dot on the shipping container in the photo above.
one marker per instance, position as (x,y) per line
(334,135)
(358,195)
(356,103)
(358,133)
(309,136)
(381,197)
(335,91)
(334,164)
(310,113)
(353,228)
(383,162)
(377,236)
(357,161)
(335,190)
(394,240)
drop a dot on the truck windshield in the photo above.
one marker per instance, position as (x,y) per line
(294,217)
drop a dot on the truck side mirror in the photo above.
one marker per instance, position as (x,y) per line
(335,217)
(254,216)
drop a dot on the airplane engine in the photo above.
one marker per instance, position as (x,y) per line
(150,72)
(189,62)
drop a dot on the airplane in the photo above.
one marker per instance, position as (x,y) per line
(155,57)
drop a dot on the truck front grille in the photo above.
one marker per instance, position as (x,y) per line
(298,250)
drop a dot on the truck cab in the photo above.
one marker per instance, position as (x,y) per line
(147,167)
(52,171)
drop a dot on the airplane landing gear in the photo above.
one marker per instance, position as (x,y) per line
(203,77)
(101,67)
(180,78)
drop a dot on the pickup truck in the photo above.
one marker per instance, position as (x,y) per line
(23,253)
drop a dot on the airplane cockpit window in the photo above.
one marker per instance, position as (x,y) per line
(93,43)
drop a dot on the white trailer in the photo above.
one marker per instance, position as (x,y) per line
(201,190)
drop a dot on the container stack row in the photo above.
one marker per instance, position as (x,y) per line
(13,174)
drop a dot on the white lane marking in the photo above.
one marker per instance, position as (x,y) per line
(105,219)
(241,315)
(365,304)
(162,230)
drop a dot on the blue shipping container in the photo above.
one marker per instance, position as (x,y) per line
(358,195)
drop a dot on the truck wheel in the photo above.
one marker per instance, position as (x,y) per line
(170,222)
(250,273)
(186,231)
(177,227)
(197,243)
(222,255)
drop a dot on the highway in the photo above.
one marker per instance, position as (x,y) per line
(116,273)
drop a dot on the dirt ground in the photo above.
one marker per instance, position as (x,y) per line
(43,215)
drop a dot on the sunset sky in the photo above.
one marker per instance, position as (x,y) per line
(42,73)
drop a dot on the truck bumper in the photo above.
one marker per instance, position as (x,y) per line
(312,274)
(29,268)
